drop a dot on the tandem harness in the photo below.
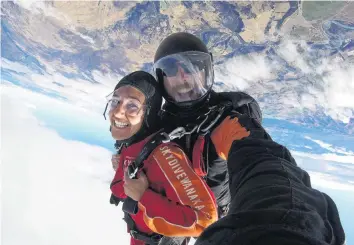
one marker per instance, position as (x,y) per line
(202,129)
(206,122)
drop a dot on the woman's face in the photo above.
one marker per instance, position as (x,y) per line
(126,112)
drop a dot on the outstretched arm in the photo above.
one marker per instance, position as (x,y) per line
(272,199)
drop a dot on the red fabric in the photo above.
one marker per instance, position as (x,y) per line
(198,161)
(165,208)
(136,242)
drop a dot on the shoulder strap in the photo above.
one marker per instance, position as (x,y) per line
(138,163)
(243,103)
(151,144)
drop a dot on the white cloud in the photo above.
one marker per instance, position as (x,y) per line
(339,90)
(15,66)
(54,191)
(242,72)
(31,5)
(340,82)
(323,83)
(85,37)
(83,93)
(42,8)
(289,51)
(320,180)
(332,172)
(330,147)
(87,94)
(308,101)
(109,79)
(327,157)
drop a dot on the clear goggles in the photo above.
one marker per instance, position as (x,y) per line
(186,76)
(130,106)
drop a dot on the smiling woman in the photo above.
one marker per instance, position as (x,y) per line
(126,112)
(168,201)
(133,108)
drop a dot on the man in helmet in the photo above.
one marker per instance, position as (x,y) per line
(272,201)
(184,68)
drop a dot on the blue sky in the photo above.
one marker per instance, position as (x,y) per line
(298,136)
(345,206)
(89,129)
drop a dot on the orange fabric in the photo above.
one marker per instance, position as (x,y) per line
(227,132)
(190,191)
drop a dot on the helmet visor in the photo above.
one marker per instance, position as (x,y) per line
(186,76)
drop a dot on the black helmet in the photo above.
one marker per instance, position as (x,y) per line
(178,43)
(183,68)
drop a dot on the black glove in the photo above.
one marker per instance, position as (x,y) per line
(130,206)
(115,200)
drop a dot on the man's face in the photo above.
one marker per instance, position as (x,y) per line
(186,76)
(185,86)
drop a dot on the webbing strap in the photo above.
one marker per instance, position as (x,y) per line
(152,239)
(138,163)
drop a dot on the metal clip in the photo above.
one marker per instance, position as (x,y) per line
(133,233)
(212,123)
(192,130)
(202,123)
(132,171)
(177,133)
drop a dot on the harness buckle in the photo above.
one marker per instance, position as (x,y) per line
(132,171)
(133,233)
(177,133)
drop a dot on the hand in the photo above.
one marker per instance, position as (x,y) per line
(115,161)
(135,188)
(224,135)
